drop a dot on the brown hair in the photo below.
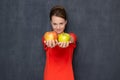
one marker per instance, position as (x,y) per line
(58,11)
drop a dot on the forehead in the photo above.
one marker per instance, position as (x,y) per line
(57,19)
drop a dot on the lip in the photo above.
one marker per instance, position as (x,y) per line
(58,31)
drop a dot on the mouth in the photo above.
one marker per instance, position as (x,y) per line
(58,31)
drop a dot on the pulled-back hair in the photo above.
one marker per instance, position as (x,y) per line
(58,11)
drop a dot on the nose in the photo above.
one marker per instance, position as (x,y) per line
(58,27)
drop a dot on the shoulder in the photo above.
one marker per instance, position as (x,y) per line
(73,36)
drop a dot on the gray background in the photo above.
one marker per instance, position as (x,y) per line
(95,22)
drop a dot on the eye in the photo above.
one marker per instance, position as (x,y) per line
(61,23)
(54,24)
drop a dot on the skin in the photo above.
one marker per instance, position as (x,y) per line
(58,25)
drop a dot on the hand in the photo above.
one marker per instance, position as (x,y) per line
(51,43)
(64,44)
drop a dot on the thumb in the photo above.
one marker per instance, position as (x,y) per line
(70,41)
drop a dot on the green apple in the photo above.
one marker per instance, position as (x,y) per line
(63,37)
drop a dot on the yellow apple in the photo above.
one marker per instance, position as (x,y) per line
(63,37)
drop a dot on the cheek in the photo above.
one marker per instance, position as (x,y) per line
(63,27)
(53,28)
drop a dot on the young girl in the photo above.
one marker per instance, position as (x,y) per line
(59,54)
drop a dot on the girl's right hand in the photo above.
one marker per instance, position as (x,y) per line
(51,43)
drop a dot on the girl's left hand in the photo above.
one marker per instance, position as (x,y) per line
(63,44)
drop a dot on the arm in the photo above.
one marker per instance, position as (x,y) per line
(73,38)
(44,45)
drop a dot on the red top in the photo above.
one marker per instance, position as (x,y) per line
(59,62)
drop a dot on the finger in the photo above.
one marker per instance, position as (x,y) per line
(46,42)
(52,43)
(70,42)
(56,42)
(60,44)
(64,44)
(67,44)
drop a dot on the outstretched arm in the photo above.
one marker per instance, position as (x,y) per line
(73,38)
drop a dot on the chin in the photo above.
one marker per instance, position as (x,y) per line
(59,32)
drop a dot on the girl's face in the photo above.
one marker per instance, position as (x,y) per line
(58,24)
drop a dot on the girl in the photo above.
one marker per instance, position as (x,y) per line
(59,54)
